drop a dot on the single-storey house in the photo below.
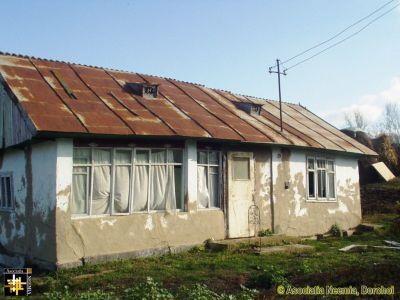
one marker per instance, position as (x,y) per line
(100,164)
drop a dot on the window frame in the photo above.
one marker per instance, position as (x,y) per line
(4,176)
(166,163)
(207,166)
(132,165)
(316,181)
(239,157)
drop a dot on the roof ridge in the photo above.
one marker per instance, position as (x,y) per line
(132,72)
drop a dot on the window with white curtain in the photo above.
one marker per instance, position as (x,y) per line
(321,179)
(208,179)
(123,181)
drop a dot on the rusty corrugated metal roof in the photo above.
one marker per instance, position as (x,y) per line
(103,106)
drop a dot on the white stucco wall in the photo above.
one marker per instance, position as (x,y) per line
(12,223)
(90,238)
(294,214)
(190,174)
(44,156)
(64,173)
(42,219)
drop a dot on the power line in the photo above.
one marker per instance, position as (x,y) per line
(339,33)
(345,39)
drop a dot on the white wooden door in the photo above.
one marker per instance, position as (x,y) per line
(240,192)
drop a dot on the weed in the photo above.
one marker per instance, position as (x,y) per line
(149,290)
(88,295)
(271,276)
(197,292)
(336,230)
(265,232)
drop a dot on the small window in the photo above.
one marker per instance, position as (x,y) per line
(321,179)
(250,108)
(255,110)
(6,193)
(145,90)
(241,168)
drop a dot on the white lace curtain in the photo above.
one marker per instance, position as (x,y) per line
(207,187)
(155,192)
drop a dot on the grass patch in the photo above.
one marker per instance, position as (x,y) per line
(221,274)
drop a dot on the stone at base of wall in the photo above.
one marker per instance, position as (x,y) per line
(125,255)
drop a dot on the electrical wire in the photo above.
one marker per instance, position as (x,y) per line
(345,39)
(339,33)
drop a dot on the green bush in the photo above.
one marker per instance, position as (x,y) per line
(271,276)
(265,232)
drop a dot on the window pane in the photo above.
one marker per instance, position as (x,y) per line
(331,184)
(178,186)
(311,184)
(214,170)
(175,156)
(310,164)
(321,184)
(140,189)
(241,168)
(101,190)
(321,163)
(8,193)
(214,158)
(214,190)
(157,156)
(123,157)
(79,192)
(101,156)
(158,186)
(121,189)
(202,157)
(3,192)
(162,192)
(142,156)
(330,165)
(80,170)
(203,196)
(81,156)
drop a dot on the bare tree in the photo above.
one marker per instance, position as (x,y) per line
(356,120)
(391,121)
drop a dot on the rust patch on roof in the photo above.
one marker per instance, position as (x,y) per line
(64,97)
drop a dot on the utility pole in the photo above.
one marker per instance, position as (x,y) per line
(279,86)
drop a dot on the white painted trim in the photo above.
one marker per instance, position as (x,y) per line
(316,199)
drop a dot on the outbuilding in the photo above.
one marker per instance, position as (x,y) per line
(100,164)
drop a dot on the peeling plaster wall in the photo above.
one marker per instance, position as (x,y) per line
(42,243)
(12,223)
(294,215)
(262,186)
(88,238)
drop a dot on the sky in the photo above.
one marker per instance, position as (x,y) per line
(225,44)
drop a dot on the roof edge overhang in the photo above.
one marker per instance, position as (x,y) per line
(46,135)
